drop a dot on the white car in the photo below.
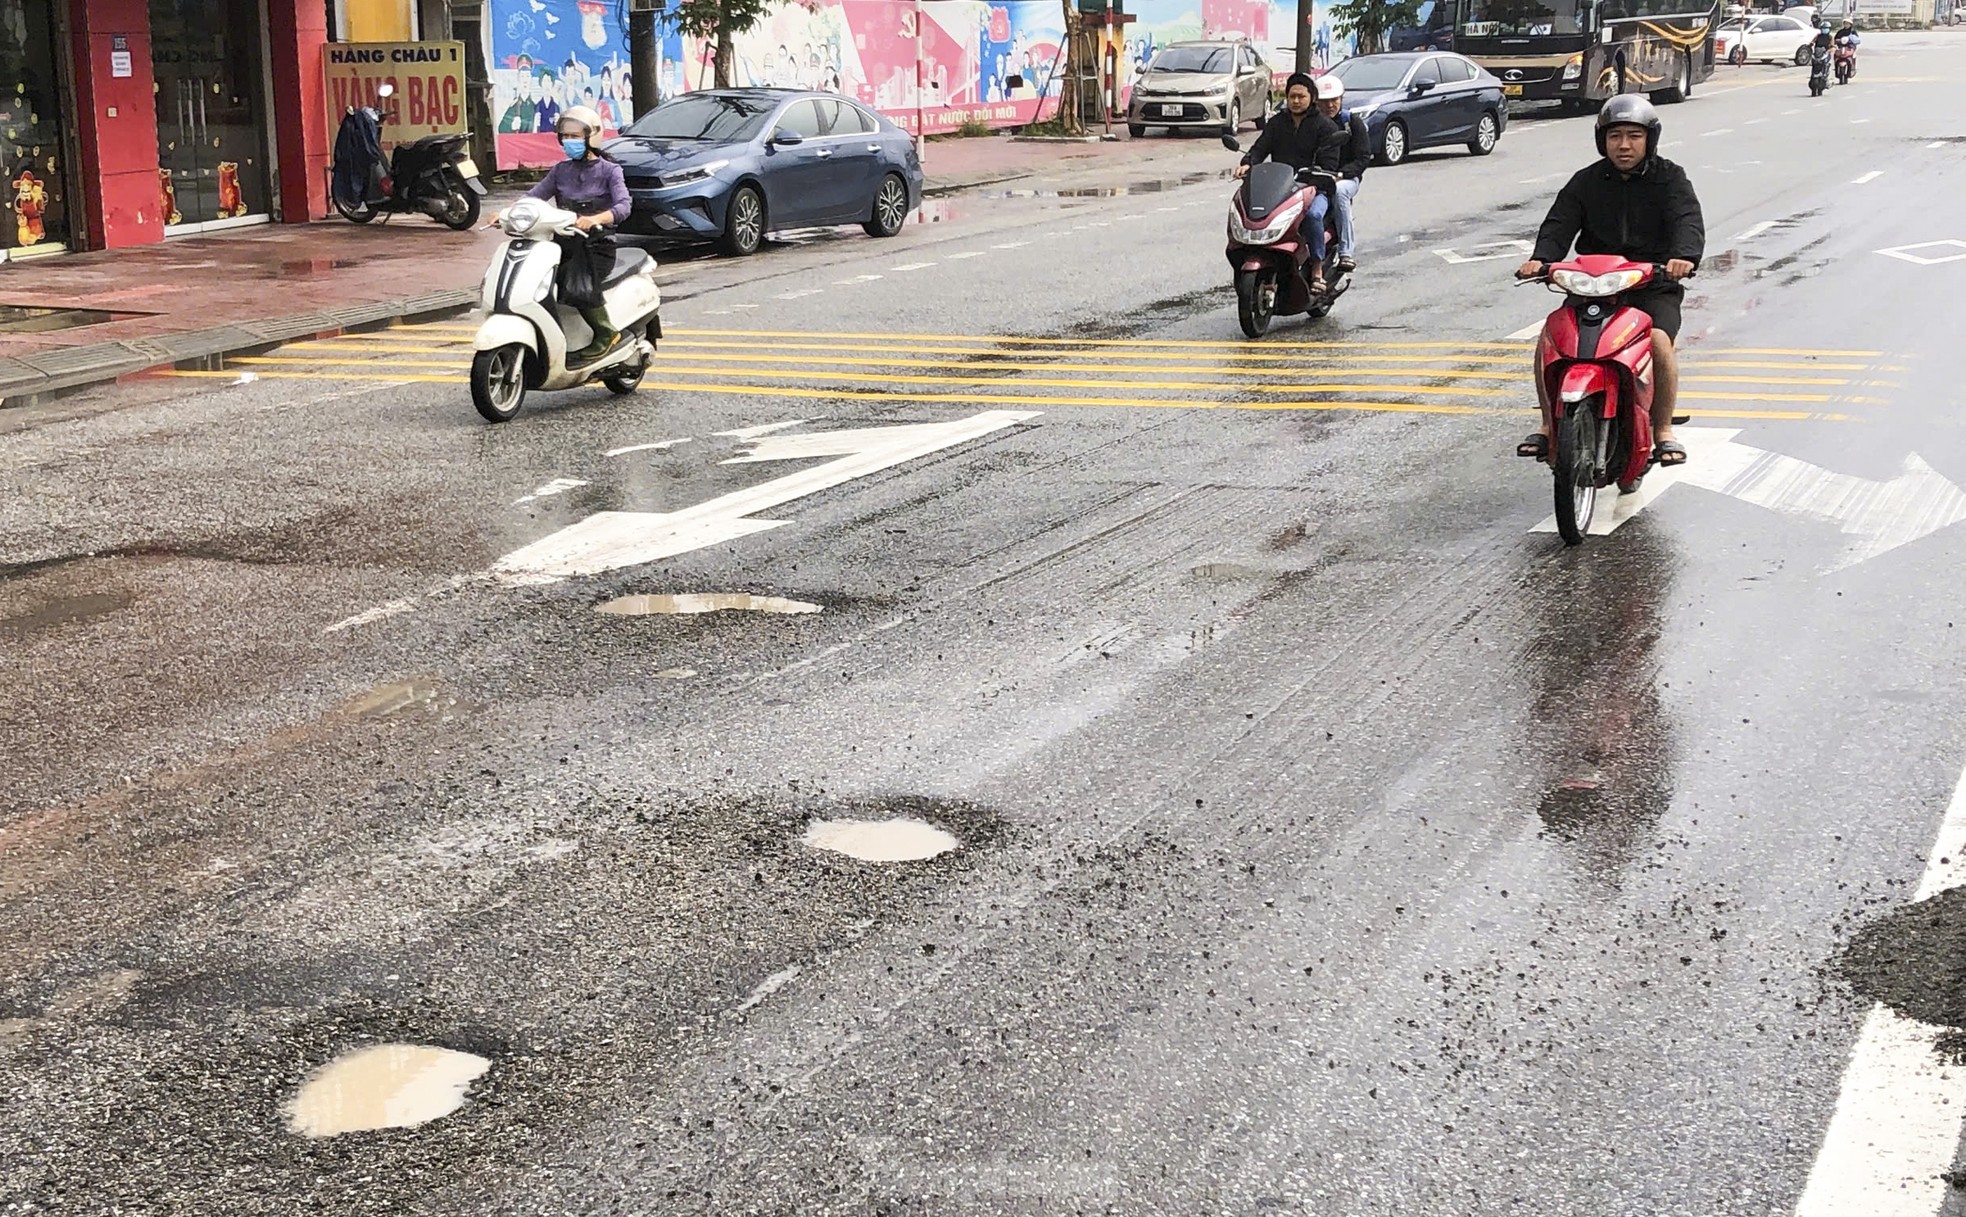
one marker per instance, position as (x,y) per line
(1782,39)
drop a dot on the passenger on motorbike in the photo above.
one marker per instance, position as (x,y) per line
(592,187)
(1637,205)
(1303,138)
(1351,168)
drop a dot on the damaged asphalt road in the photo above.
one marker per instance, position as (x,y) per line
(1292,827)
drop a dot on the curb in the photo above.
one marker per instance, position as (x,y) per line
(936,190)
(1064,139)
(29,376)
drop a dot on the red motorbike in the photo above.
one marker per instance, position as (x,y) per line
(1846,64)
(1267,253)
(1595,362)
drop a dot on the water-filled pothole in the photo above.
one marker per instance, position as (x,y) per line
(383,1086)
(691,603)
(881,840)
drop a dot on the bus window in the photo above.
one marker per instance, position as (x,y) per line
(1523,17)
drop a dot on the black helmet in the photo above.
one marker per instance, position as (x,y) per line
(1630,110)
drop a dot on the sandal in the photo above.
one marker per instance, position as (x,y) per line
(1535,447)
(1667,450)
(1319,286)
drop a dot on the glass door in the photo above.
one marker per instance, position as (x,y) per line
(34,215)
(211,141)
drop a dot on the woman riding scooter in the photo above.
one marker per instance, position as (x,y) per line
(592,187)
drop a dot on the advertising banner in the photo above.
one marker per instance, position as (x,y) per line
(428,78)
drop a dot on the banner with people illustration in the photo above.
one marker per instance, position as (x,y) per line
(993,62)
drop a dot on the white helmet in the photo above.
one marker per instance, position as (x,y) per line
(1329,87)
(583,115)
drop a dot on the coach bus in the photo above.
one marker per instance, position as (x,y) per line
(1578,52)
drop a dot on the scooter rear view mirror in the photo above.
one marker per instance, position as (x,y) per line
(386,91)
(1231,143)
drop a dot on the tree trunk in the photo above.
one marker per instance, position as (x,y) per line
(726,58)
(1068,95)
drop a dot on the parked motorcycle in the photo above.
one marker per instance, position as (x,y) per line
(1818,70)
(1268,255)
(1846,64)
(523,343)
(434,175)
(1594,360)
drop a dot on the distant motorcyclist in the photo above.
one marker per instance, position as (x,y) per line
(1303,138)
(1351,168)
(1847,41)
(1639,206)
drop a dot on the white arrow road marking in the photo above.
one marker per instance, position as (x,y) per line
(610,540)
(749,433)
(1876,517)
(1532,330)
(1895,1129)
(1757,230)
(1509,249)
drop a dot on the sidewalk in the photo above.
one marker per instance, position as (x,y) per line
(82,319)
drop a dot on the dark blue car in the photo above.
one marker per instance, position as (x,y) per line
(1424,100)
(730,165)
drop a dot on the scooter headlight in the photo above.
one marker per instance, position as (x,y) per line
(1577,283)
(1280,223)
(523,217)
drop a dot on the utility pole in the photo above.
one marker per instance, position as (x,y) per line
(644,53)
(1306,18)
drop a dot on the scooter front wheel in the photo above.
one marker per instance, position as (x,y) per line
(498,382)
(1255,301)
(1578,438)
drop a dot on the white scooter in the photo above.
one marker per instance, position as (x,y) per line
(527,331)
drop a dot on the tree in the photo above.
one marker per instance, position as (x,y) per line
(1369,21)
(721,20)
(1069,121)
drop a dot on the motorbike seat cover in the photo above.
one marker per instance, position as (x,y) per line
(628,260)
(1268,186)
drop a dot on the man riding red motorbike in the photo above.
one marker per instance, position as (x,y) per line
(1637,205)
(1299,135)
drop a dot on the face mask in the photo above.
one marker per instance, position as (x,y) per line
(576,148)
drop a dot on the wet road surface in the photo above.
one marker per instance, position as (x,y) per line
(1326,838)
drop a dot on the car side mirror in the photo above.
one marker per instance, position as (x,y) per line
(1231,143)
(787,138)
(1421,86)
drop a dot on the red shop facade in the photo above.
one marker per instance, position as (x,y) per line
(123,122)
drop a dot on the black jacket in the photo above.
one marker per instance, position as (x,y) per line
(1650,216)
(1316,142)
(1358,147)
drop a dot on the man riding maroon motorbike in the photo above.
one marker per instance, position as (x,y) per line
(1299,135)
(1637,205)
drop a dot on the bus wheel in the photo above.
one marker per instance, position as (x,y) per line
(1680,91)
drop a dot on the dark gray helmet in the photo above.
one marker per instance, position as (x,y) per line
(1630,110)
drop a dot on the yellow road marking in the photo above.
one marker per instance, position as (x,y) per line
(1015,399)
(1011,340)
(1795,351)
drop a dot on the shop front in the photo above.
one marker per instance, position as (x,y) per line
(213,139)
(35,216)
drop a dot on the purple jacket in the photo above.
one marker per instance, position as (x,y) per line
(586,187)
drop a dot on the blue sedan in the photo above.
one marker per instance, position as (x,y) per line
(730,165)
(1424,100)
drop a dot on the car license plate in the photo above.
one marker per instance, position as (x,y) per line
(468,167)
(1512,90)
(1170,111)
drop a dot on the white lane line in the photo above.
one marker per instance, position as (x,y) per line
(1177,208)
(1757,230)
(763,429)
(1937,143)
(1752,121)
(910,266)
(856,279)
(1872,176)
(1531,181)
(794,295)
(377,613)
(1011,245)
(1785,113)
(556,486)
(1895,1130)
(1720,131)
(977,253)
(655,447)
(743,307)
(1855,121)
(1527,331)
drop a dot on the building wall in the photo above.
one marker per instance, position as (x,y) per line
(116,124)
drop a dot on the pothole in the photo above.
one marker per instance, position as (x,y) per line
(383,1086)
(881,840)
(690,604)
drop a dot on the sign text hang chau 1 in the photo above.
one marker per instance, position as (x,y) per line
(429,80)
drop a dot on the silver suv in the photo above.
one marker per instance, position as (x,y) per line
(1218,85)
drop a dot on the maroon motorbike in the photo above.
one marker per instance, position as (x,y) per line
(1269,256)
